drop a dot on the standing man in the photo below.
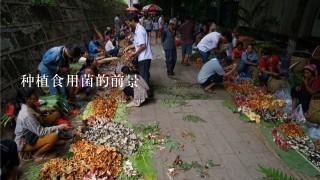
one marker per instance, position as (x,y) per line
(186,31)
(56,62)
(142,47)
(117,23)
(211,41)
(167,39)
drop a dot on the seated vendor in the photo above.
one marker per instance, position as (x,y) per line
(302,93)
(237,51)
(212,73)
(30,134)
(134,87)
(269,66)
(249,61)
(110,48)
(94,47)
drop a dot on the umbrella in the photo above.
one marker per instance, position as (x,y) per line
(152,7)
(153,12)
(132,9)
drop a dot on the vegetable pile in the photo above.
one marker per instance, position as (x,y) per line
(87,158)
(292,130)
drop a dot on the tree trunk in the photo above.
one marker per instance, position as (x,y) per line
(295,26)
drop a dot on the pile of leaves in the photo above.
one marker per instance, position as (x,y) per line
(172,103)
(180,89)
(54,101)
(193,118)
(199,168)
(104,160)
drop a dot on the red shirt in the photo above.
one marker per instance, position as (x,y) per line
(264,63)
(237,53)
(315,84)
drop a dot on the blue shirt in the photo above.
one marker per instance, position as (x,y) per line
(253,57)
(208,69)
(168,39)
(93,49)
(52,60)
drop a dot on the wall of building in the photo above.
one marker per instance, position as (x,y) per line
(28,31)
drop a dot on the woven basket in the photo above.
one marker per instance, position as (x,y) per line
(275,84)
(299,60)
(313,114)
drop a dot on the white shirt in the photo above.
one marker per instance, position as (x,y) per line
(234,41)
(160,23)
(141,20)
(209,42)
(109,46)
(141,37)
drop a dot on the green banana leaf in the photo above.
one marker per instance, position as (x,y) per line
(144,163)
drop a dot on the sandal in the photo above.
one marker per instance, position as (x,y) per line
(209,91)
(45,157)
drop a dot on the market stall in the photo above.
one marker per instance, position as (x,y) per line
(284,131)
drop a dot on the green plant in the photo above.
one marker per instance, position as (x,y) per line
(5,120)
(194,56)
(274,174)
(193,118)
(42,2)
(144,163)
(55,101)
(32,171)
(257,18)
(171,144)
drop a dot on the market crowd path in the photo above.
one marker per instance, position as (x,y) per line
(237,146)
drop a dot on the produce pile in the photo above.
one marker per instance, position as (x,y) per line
(104,161)
(306,146)
(115,135)
(244,87)
(279,140)
(106,106)
(255,103)
(292,130)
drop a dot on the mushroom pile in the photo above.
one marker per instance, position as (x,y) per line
(115,135)
(305,145)
(87,158)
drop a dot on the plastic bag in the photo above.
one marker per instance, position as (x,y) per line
(298,116)
(314,133)
(284,95)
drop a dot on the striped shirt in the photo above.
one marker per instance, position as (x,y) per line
(27,120)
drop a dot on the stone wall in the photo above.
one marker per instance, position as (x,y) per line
(28,31)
